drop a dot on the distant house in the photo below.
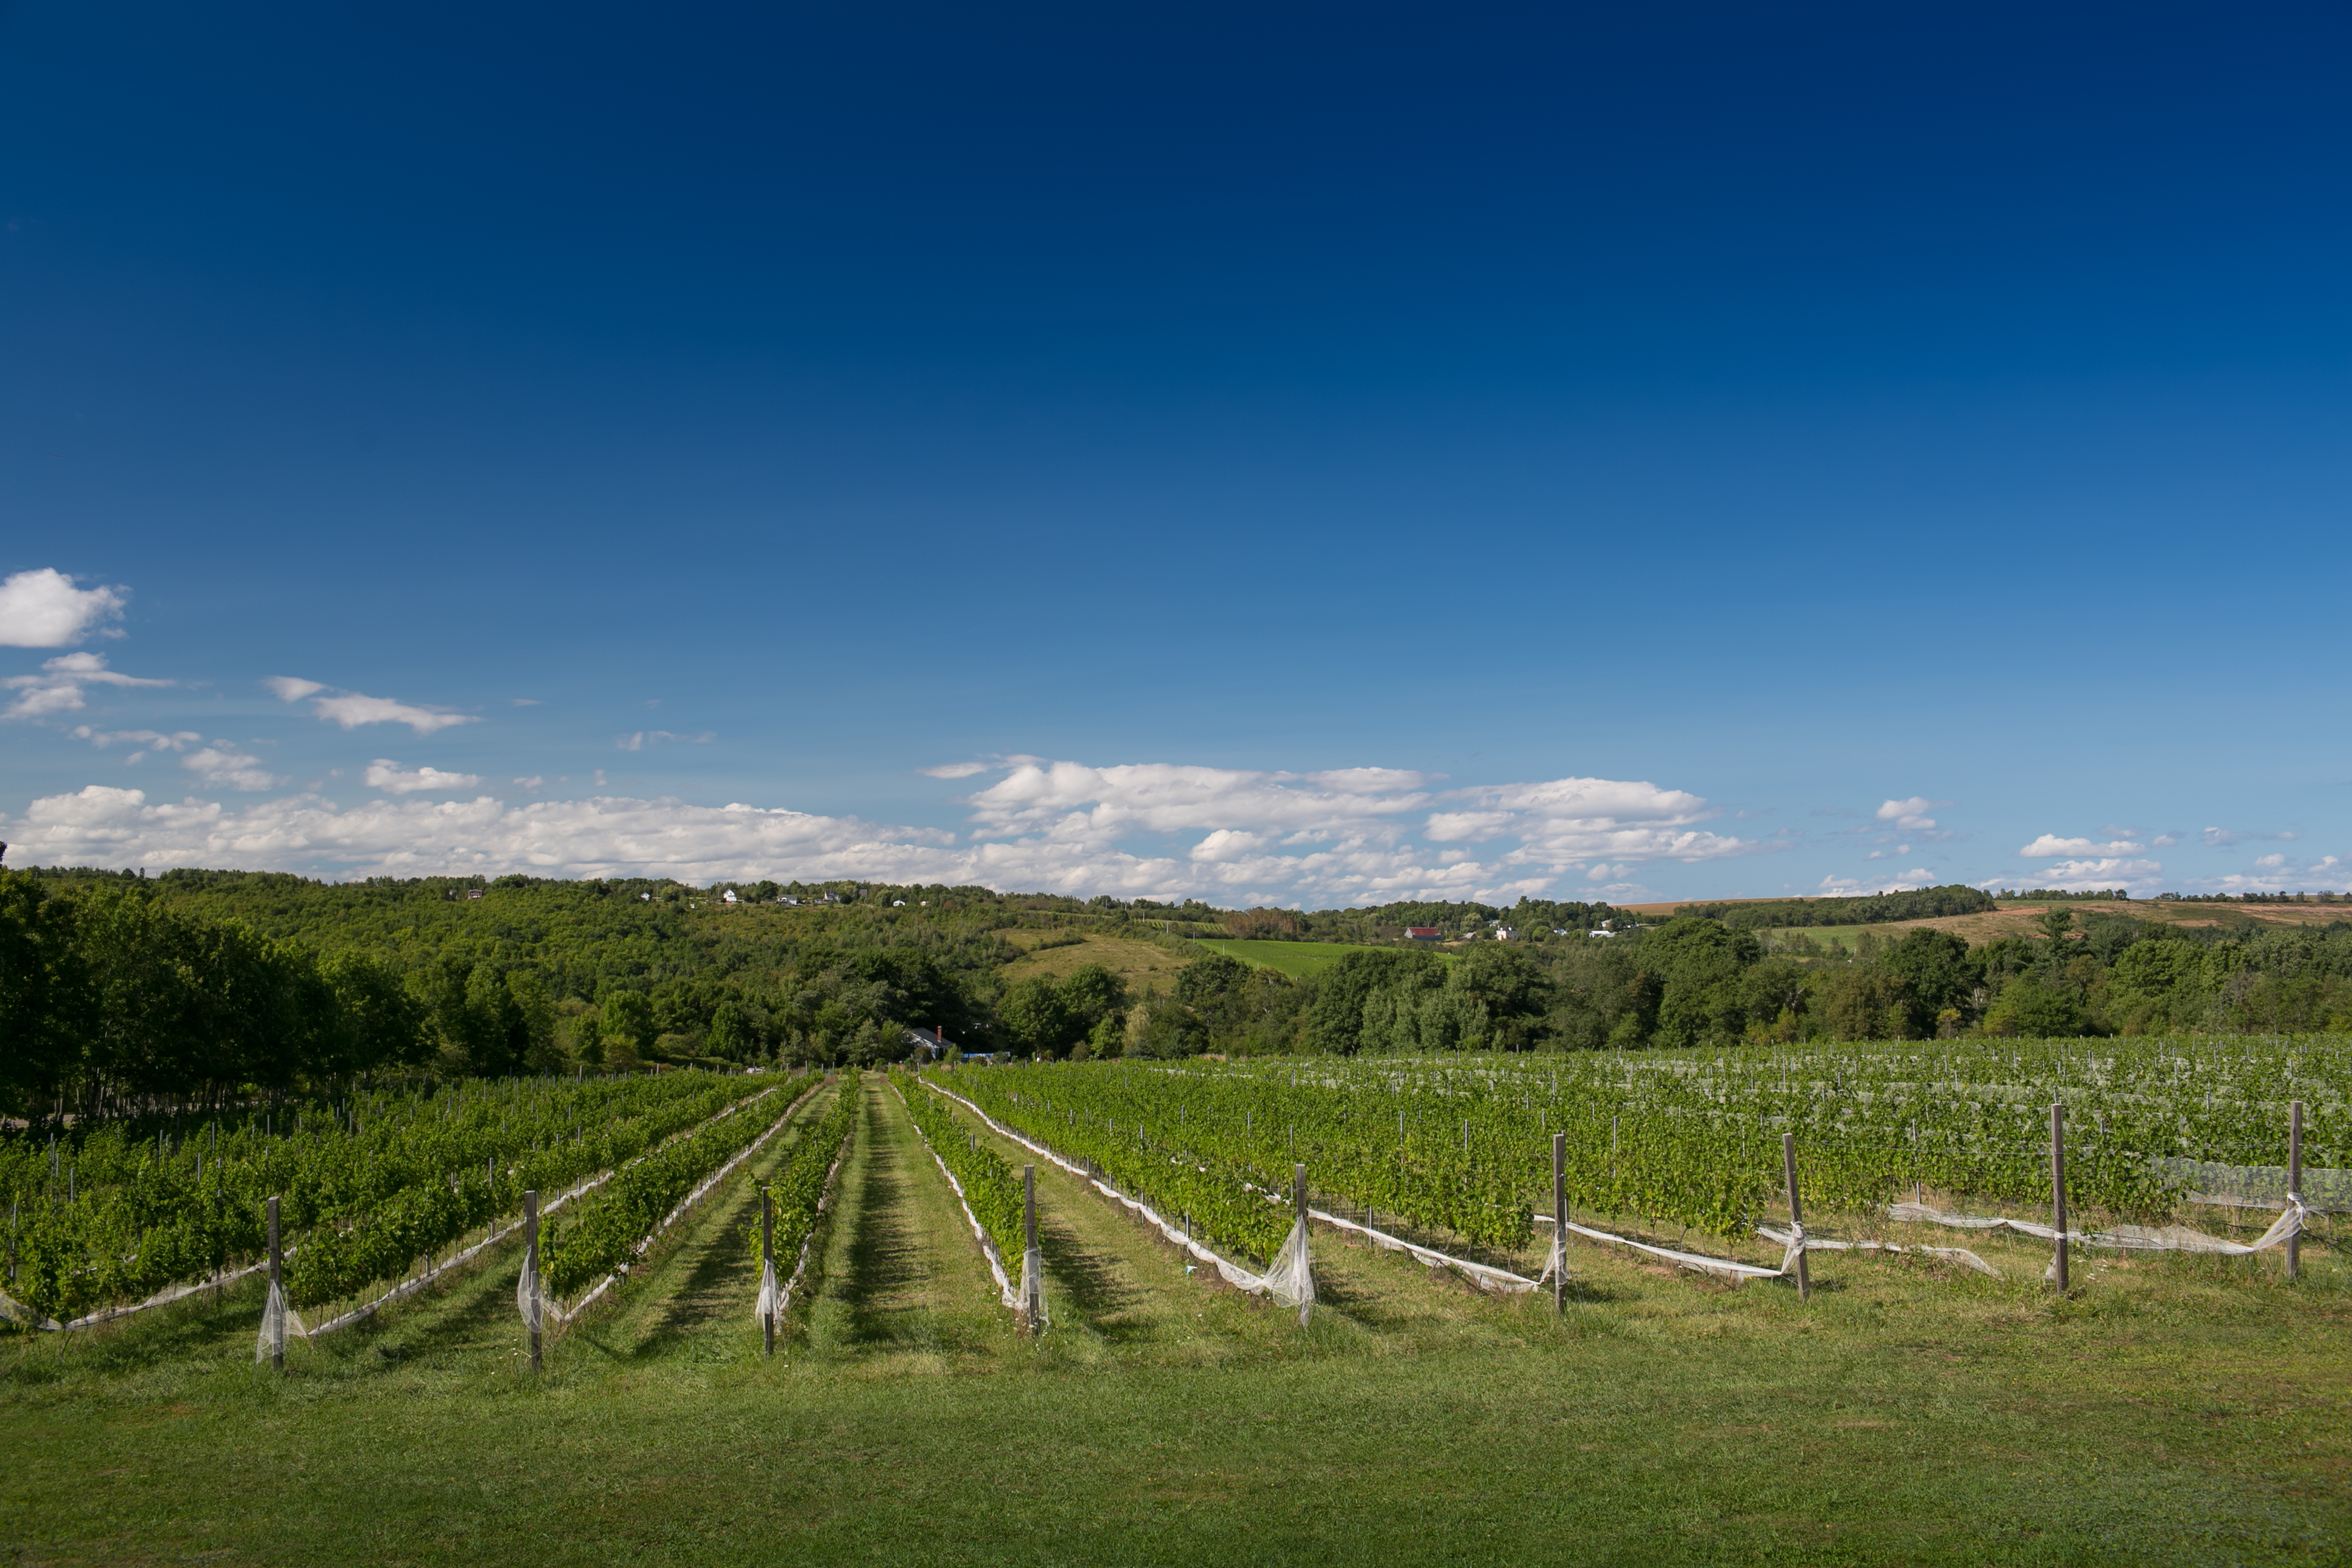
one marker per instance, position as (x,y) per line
(1506,933)
(1426,933)
(473,892)
(728,897)
(1601,933)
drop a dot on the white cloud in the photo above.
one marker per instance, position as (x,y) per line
(351,709)
(145,740)
(59,686)
(44,609)
(393,779)
(2328,873)
(2138,876)
(534,782)
(2220,837)
(1238,838)
(644,738)
(1228,844)
(1853,887)
(216,766)
(2050,844)
(953,769)
(1911,815)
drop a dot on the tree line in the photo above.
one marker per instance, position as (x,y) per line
(118,990)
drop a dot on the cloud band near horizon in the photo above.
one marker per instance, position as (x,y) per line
(1317,839)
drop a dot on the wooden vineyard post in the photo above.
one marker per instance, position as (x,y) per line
(277,1285)
(767,1265)
(1298,1203)
(531,1268)
(1032,1266)
(1796,1213)
(1559,1223)
(2058,1190)
(2294,1183)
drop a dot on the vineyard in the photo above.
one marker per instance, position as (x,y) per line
(1463,1148)
(369,1187)
(824,1268)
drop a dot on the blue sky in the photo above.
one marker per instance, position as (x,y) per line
(1273,455)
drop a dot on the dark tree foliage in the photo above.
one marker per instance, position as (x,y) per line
(1923,903)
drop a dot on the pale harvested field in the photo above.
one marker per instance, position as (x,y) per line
(1143,966)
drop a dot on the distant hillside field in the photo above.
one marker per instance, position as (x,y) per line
(1298,959)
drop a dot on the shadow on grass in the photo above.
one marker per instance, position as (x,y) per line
(1090,1281)
(886,1254)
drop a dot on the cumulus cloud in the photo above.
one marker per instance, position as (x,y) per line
(2050,845)
(2280,873)
(353,708)
(59,686)
(44,609)
(389,776)
(217,765)
(1911,816)
(1348,836)
(2137,874)
(953,769)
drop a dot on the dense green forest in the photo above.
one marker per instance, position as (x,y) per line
(1876,908)
(118,990)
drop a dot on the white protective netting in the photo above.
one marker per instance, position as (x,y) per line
(766,1309)
(276,1315)
(2127,1237)
(1486,1276)
(1033,1291)
(530,1300)
(1793,1242)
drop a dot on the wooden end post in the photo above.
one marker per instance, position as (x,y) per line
(2058,1188)
(276,1286)
(530,1265)
(1029,1245)
(1559,1223)
(1796,1211)
(2295,1183)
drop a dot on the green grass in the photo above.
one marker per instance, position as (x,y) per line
(1298,959)
(2174,1409)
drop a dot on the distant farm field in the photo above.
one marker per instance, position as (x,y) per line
(1298,959)
(1140,966)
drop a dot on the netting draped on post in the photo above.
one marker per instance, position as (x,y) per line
(766,1308)
(1290,1277)
(1032,1289)
(275,1317)
(530,1299)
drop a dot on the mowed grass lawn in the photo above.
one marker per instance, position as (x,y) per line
(2174,1410)
(1298,959)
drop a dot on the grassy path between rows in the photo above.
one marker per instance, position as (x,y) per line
(2177,1411)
